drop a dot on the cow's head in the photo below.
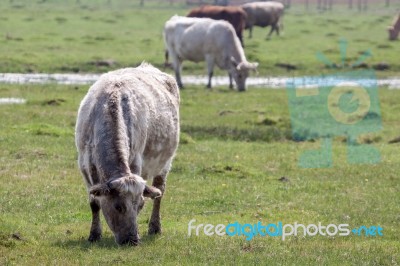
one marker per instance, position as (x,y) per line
(121,200)
(240,72)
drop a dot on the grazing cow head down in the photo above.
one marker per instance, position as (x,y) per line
(121,200)
(240,72)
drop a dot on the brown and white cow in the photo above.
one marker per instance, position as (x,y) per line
(233,14)
(264,14)
(204,39)
(127,131)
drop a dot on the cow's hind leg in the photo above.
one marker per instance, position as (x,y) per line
(274,27)
(95,230)
(178,70)
(177,65)
(155,220)
(210,69)
(166,58)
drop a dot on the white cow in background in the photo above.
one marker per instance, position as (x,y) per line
(204,39)
(264,14)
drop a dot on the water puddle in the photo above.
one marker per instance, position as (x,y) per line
(87,79)
(42,78)
(12,101)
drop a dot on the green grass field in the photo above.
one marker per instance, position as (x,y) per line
(227,169)
(235,147)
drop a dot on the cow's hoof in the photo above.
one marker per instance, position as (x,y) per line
(94,237)
(134,242)
(154,229)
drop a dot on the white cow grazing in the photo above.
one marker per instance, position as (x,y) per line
(127,130)
(204,39)
(264,14)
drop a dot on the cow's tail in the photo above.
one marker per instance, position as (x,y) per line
(166,58)
(166,53)
(280,20)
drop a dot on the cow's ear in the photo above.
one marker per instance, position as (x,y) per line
(253,66)
(234,62)
(99,190)
(151,192)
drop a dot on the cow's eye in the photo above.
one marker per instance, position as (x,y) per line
(119,208)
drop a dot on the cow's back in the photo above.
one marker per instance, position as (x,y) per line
(193,38)
(236,16)
(128,115)
(263,13)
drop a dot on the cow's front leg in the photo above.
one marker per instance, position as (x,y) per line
(230,81)
(95,230)
(241,39)
(210,75)
(270,32)
(155,220)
